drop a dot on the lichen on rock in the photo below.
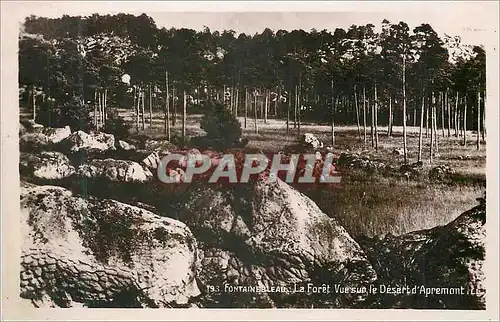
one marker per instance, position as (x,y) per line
(102,253)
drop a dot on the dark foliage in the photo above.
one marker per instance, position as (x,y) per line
(222,127)
(116,125)
(74,113)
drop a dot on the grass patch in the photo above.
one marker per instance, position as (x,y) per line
(386,205)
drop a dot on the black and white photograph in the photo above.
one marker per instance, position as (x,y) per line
(274,159)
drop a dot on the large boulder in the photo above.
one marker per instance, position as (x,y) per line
(449,258)
(114,170)
(271,236)
(102,253)
(46,165)
(93,142)
(43,138)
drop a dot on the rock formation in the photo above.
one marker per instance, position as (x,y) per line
(48,165)
(450,256)
(272,235)
(102,253)
(196,244)
(114,170)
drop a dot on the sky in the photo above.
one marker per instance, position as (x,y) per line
(474,21)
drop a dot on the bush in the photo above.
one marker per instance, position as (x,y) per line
(222,127)
(73,113)
(116,125)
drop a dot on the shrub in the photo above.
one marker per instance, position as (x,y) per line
(74,113)
(222,127)
(116,125)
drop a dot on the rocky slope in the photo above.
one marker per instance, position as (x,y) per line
(102,253)
(100,231)
(449,257)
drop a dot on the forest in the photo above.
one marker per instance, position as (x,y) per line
(72,68)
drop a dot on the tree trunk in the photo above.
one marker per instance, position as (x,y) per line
(478,142)
(295,103)
(143,103)
(138,92)
(255,115)
(436,134)
(420,132)
(32,98)
(231,98)
(299,94)
(415,116)
(134,91)
(224,95)
(357,111)
(276,102)
(404,110)
(266,105)
(465,121)
(174,106)
(334,102)
(103,115)
(167,109)
(427,108)
(288,108)
(483,132)
(95,108)
(431,149)
(246,106)
(364,113)
(375,109)
(447,100)
(150,105)
(236,101)
(389,130)
(184,106)
(442,111)
(105,106)
(99,115)
(372,123)
(456,115)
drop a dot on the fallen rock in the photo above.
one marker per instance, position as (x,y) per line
(46,165)
(412,171)
(161,147)
(270,235)
(114,170)
(440,173)
(354,161)
(449,257)
(310,139)
(56,135)
(123,145)
(81,141)
(398,151)
(102,253)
